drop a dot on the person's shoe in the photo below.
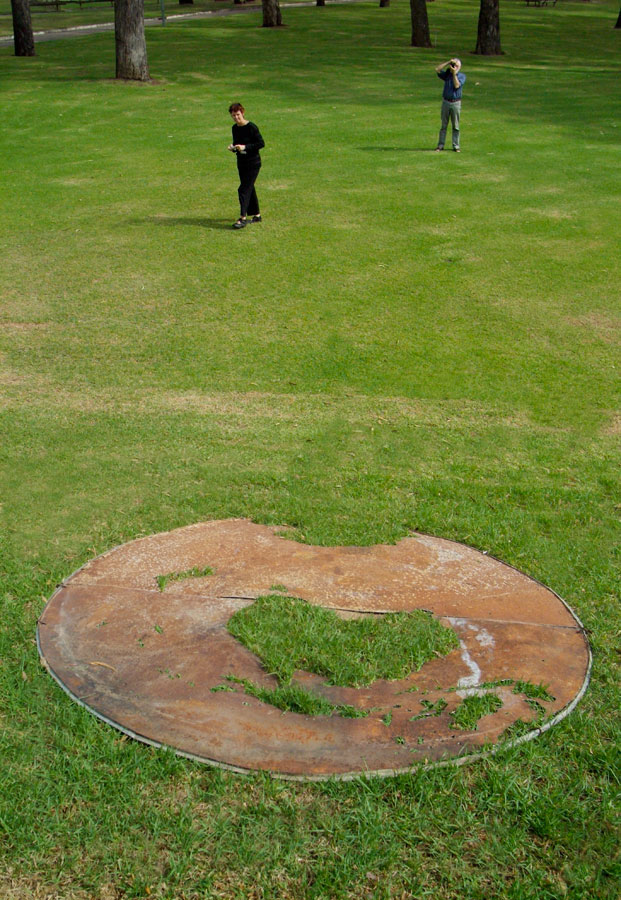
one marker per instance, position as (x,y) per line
(456,150)
(439,149)
(256,219)
(241,223)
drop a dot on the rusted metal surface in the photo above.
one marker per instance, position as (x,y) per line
(147,660)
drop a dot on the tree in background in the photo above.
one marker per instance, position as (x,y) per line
(488,33)
(271,13)
(22,28)
(618,25)
(420,24)
(131,46)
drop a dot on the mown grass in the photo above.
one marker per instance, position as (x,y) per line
(409,341)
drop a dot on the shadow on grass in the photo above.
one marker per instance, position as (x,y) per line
(192,221)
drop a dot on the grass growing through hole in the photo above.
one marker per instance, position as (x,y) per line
(294,698)
(288,634)
(473,708)
(194,572)
(527,688)
(430,708)
(412,341)
(532,691)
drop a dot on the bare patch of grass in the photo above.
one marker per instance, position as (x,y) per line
(24,326)
(549,212)
(241,409)
(613,428)
(24,888)
(606,328)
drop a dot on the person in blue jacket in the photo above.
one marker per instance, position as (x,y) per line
(453,78)
(247,142)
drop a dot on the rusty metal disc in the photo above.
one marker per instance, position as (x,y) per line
(144,650)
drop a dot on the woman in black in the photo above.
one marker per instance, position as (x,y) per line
(247,142)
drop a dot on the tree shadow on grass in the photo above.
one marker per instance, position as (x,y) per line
(191,221)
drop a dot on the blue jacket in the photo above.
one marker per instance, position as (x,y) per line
(449,92)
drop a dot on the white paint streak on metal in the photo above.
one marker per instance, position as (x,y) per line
(467,681)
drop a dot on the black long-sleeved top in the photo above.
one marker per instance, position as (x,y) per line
(249,135)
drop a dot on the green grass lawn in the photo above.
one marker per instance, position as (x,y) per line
(410,340)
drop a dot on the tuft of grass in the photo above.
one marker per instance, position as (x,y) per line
(287,633)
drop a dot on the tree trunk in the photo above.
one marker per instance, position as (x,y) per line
(131,47)
(384,3)
(618,25)
(488,34)
(321,2)
(271,13)
(22,28)
(420,24)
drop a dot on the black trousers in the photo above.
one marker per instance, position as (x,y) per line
(248,200)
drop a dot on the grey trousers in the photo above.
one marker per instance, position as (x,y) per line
(450,111)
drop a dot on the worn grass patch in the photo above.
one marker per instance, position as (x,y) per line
(288,634)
